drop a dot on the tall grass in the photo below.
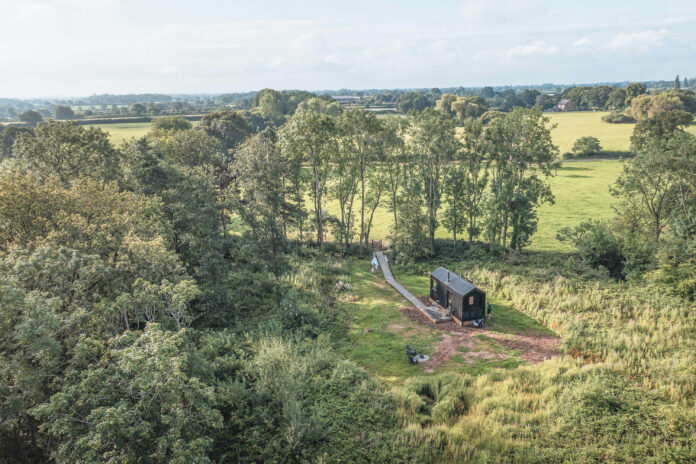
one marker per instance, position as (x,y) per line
(633,328)
(622,392)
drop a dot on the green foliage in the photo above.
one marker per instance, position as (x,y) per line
(66,151)
(171,123)
(64,112)
(586,147)
(8,135)
(261,175)
(597,245)
(651,105)
(31,117)
(230,127)
(517,162)
(133,398)
(616,117)
(661,126)
(310,136)
(411,101)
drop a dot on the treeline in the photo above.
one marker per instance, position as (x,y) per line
(484,181)
(653,235)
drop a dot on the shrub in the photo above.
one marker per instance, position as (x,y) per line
(597,245)
(586,147)
(617,117)
(171,123)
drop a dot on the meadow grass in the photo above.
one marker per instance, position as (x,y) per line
(573,125)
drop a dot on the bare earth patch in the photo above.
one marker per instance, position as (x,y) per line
(533,348)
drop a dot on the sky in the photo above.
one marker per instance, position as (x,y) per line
(72,48)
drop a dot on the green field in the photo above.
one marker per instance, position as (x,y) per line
(124,131)
(121,132)
(571,126)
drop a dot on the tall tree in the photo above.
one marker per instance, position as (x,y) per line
(31,117)
(649,182)
(229,127)
(260,171)
(393,166)
(344,187)
(64,112)
(432,143)
(361,138)
(312,136)
(521,149)
(473,157)
(453,214)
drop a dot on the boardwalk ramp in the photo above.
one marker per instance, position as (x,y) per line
(434,312)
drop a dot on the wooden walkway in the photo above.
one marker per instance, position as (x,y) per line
(434,312)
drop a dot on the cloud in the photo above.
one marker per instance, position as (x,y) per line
(582,42)
(538,47)
(643,40)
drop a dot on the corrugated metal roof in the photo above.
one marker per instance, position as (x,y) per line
(455,282)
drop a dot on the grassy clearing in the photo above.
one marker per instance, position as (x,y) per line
(628,383)
(378,332)
(581,190)
(122,132)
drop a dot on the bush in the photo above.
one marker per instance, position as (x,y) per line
(171,123)
(616,117)
(602,244)
(585,147)
(597,246)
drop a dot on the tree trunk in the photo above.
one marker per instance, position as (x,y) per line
(362,206)
(317,207)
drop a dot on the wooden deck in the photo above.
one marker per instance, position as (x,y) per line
(434,312)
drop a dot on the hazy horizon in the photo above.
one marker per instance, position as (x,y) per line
(73,48)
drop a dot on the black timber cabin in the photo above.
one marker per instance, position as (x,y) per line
(463,299)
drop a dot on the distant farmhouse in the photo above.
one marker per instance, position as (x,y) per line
(565,105)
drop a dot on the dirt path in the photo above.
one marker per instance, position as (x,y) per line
(457,339)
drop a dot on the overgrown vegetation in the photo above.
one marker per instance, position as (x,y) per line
(134,327)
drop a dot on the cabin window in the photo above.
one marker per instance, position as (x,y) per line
(471,300)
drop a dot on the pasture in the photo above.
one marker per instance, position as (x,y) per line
(573,125)
(121,132)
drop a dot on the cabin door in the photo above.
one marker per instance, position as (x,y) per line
(449,300)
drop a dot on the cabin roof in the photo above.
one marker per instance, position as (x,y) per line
(453,281)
